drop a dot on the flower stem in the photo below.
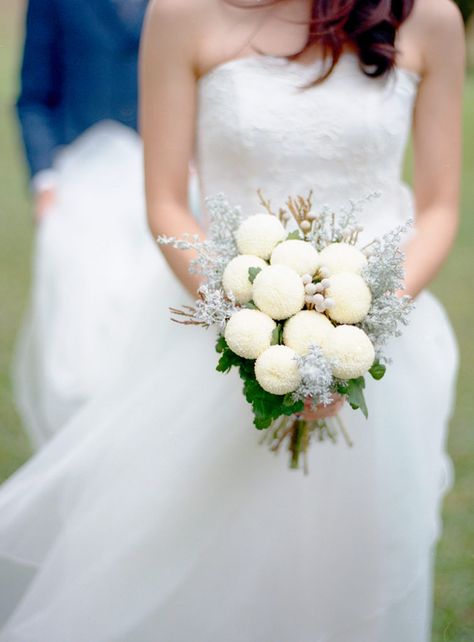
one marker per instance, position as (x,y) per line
(297,441)
(343,430)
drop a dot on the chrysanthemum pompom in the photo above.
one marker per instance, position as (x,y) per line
(259,234)
(351,296)
(350,350)
(235,279)
(276,370)
(249,332)
(301,256)
(278,291)
(305,329)
(342,257)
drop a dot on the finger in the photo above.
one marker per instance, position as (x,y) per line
(321,412)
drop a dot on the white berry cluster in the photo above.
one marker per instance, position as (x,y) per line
(316,291)
(316,297)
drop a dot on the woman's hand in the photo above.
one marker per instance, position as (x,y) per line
(43,204)
(323,412)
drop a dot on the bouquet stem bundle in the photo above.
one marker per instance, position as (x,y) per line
(297,433)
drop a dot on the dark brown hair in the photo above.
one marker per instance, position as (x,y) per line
(368,25)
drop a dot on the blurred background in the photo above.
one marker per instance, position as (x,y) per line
(454,608)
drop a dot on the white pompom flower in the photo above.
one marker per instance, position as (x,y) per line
(259,234)
(235,279)
(351,298)
(249,332)
(305,329)
(301,256)
(342,257)
(278,291)
(350,350)
(276,370)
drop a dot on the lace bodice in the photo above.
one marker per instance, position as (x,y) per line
(345,138)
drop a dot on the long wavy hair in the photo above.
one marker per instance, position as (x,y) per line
(368,25)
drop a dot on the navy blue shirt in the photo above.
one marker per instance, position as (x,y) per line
(79,67)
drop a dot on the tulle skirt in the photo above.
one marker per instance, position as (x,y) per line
(155,515)
(94,266)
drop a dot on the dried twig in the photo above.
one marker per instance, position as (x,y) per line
(265,203)
(188,313)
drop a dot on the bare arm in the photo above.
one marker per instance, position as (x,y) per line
(437,146)
(167,117)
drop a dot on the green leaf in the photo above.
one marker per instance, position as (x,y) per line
(225,363)
(290,406)
(262,423)
(246,369)
(252,389)
(277,334)
(228,358)
(294,236)
(377,371)
(250,306)
(262,409)
(221,344)
(298,406)
(355,395)
(266,407)
(253,271)
(341,388)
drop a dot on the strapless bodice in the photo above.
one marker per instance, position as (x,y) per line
(260,128)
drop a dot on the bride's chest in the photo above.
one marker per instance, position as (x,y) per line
(259,111)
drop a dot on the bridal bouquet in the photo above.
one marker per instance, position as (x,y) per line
(302,311)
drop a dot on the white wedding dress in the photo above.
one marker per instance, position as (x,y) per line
(155,515)
(95,265)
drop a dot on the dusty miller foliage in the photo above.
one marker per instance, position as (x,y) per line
(384,274)
(218,249)
(213,308)
(330,227)
(316,378)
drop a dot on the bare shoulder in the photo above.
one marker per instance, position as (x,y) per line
(177,11)
(198,29)
(437,18)
(174,31)
(437,26)
(179,19)
(433,35)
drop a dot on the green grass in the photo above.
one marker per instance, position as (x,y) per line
(15,241)
(454,610)
(454,614)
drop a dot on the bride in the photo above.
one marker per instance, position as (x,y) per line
(154,515)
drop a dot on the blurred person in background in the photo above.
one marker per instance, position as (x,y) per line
(94,261)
